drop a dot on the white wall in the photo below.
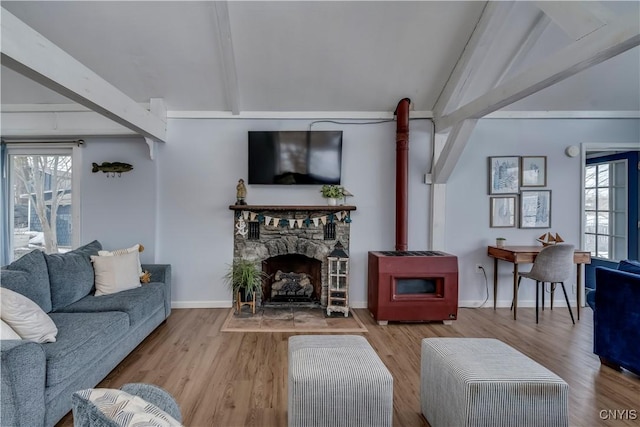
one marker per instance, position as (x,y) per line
(200,166)
(467,227)
(190,226)
(119,211)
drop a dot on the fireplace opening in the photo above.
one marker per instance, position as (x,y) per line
(417,288)
(292,278)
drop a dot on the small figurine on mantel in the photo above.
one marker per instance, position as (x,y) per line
(241,192)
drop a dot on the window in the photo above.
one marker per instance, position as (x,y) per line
(606,209)
(42,208)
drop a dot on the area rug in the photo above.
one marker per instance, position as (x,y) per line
(292,320)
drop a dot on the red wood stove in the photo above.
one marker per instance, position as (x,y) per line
(410,285)
(413,286)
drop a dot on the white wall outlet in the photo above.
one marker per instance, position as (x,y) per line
(479,268)
(573,288)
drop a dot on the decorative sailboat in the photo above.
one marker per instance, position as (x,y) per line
(548,239)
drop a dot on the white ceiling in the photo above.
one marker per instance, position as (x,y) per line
(309,56)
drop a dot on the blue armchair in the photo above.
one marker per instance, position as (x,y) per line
(616,326)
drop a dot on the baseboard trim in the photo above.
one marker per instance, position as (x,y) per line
(363,304)
(229,304)
(201,304)
(507,303)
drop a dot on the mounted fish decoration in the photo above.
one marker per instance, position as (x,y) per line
(112,168)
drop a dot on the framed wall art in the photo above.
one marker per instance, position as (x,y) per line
(503,211)
(533,171)
(535,209)
(504,174)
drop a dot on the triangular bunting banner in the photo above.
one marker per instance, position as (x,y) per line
(283,222)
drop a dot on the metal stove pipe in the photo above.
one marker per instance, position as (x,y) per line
(402,173)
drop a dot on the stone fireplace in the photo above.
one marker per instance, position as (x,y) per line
(291,244)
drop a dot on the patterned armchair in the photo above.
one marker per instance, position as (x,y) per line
(133,403)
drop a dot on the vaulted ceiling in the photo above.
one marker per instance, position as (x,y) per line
(456,60)
(308,56)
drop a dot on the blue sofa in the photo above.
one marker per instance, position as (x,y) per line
(94,333)
(616,325)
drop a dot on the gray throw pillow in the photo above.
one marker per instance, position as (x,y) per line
(28,275)
(71,274)
(89,249)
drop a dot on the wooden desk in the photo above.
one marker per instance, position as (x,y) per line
(526,255)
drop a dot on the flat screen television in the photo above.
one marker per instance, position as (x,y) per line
(295,157)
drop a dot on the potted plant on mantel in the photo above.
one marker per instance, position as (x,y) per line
(244,278)
(332,193)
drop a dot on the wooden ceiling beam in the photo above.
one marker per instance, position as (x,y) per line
(225,41)
(27,52)
(493,17)
(594,48)
(454,146)
(29,124)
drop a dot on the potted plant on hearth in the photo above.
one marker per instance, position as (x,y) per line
(332,193)
(244,279)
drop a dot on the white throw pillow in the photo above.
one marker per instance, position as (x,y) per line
(26,317)
(6,333)
(115,273)
(132,249)
(126,409)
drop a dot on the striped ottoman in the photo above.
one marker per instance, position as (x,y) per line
(484,382)
(337,380)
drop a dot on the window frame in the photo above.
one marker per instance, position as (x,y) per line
(616,230)
(50,148)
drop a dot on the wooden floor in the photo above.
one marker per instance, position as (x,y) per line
(231,379)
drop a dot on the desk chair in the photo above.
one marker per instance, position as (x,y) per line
(554,264)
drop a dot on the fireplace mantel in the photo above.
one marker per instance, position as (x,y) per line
(292,208)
